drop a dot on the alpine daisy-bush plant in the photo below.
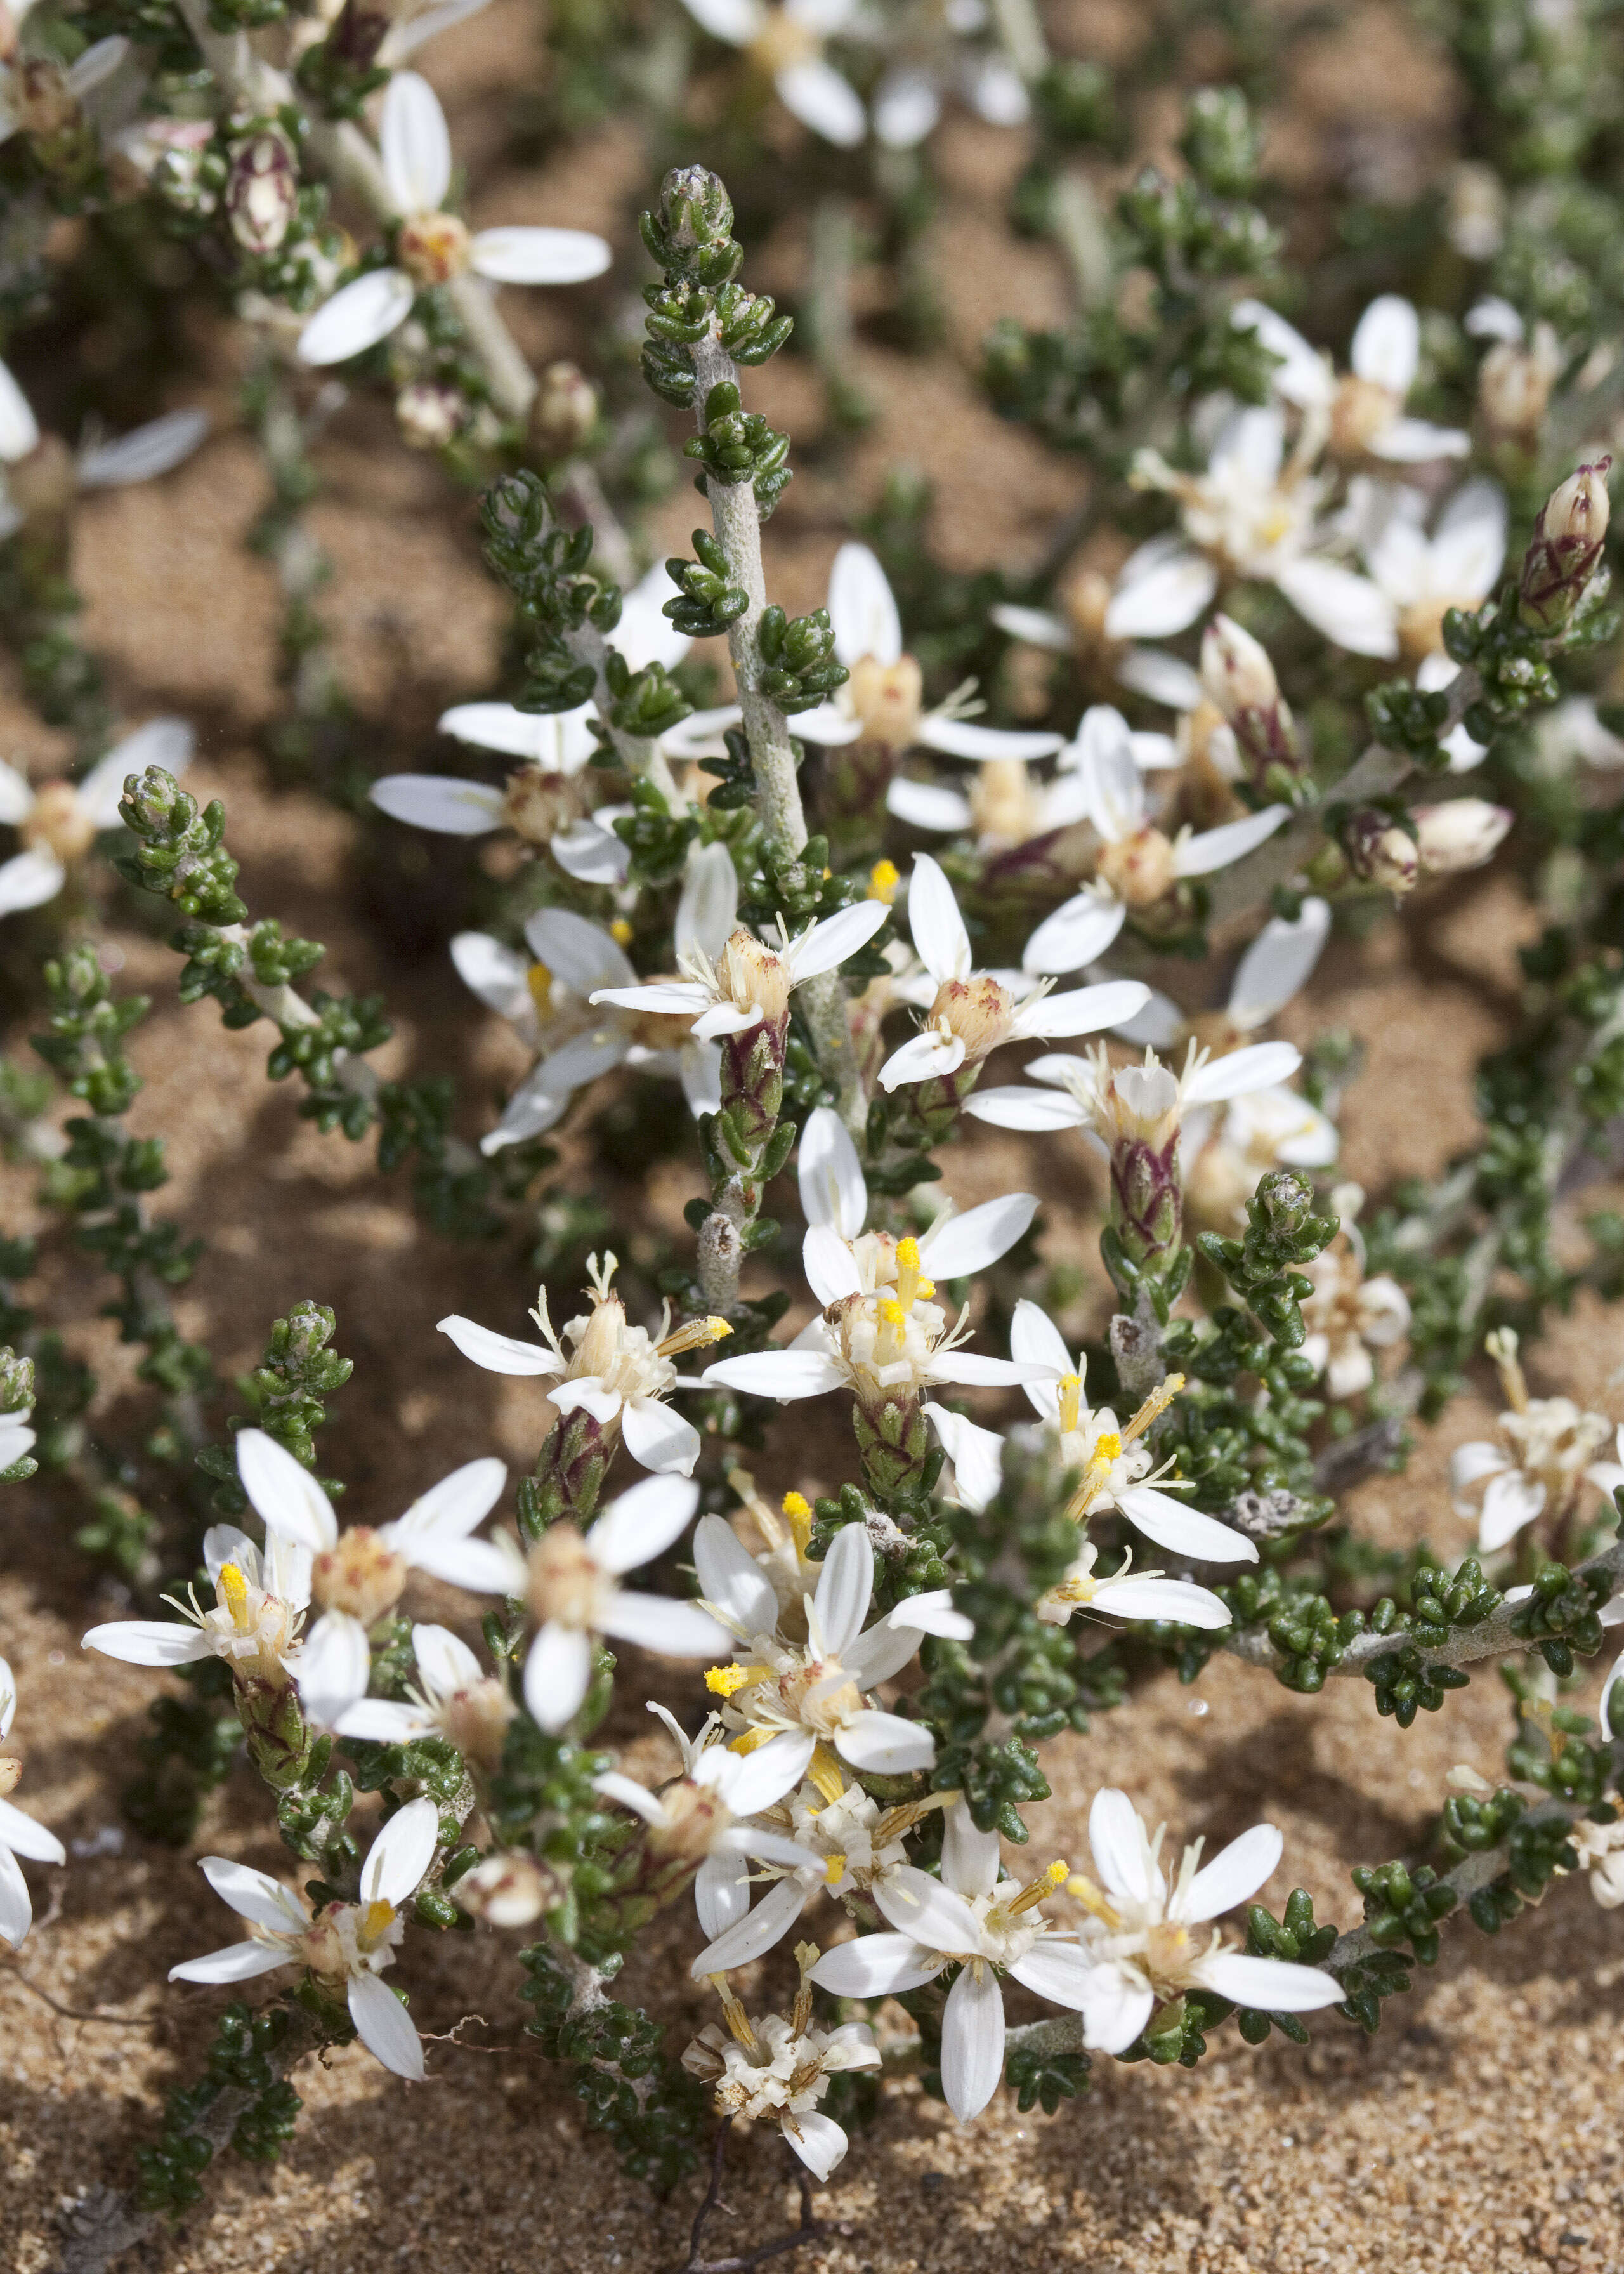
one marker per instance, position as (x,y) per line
(996,880)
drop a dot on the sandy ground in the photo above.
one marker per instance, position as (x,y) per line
(1480,2130)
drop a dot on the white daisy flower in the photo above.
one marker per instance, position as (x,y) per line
(1142,1946)
(972,1012)
(1138,864)
(1255,514)
(1348,1316)
(259,1611)
(1277,965)
(774,2071)
(1160,590)
(748,983)
(985,1925)
(432,246)
(1363,414)
(618,1374)
(19,1834)
(59,821)
(1139,1104)
(140,455)
(39,96)
(454,1698)
(936,62)
(785,45)
(1549,1451)
(346,1945)
(571,1581)
(360,1574)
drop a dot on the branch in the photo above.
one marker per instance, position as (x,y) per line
(809,2230)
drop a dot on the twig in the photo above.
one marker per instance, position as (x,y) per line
(76,2013)
(810,2229)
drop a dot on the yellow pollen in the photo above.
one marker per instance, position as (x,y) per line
(696,1334)
(827,874)
(883,879)
(1154,1406)
(1108,1446)
(927,1289)
(538,979)
(232,1589)
(723,1680)
(621,932)
(376,1920)
(1035,1891)
(907,1272)
(825,1773)
(834,1870)
(798,1508)
(893,1314)
(1070,1391)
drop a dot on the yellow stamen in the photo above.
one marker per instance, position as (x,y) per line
(538,979)
(723,1680)
(825,1772)
(800,2014)
(907,1272)
(1154,1406)
(1108,1446)
(621,932)
(1069,1389)
(927,1289)
(1502,1347)
(1045,1883)
(697,1335)
(798,1508)
(834,1870)
(883,879)
(893,1314)
(1084,1891)
(734,2014)
(232,1589)
(376,1920)
(747,1740)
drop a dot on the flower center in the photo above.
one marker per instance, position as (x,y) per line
(1360,408)
(1140,870)
(539,804)
(887,699)
(433,248)
(565,1585)
(57,823)
(361,1576)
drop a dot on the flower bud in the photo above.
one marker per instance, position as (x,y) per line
(1514,386)
(1475,217)
(431,415)
(261,191)
(1565,547)
(508,1890)
(565,410)
(1462,834)
(1239,677)
(1379,851)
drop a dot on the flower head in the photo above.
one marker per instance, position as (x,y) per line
(1549,1451)
(1348,1316)
(19,1834)
(347,1946)
(1362,413)
(453,1697)
(255,1624)
(59,821)
(775,2071)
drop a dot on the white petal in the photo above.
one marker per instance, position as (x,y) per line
(881,1653)
(19,430)
(166,742)
(1084,1010)
(1117,2005)
(975,1371)
(906,108)
(783,1374)
(147,1642)
(937,929)
(972,2042)
(1385,346)
(933,1613)
(446,1663)
(885,1744)
(23,1836)
(1303,375)
(1036,1340)
(659,1623)
(405,39)
(496,974)
(1347,608)
(1470,1464)
(1058,1971)
(721,1891)
(956,1246)
(16,795)
(415,144)
(1185,1530)
(861,608)
(283,1493)
(1121,1852)
(658,1438)
(844,1588)
(556,1673)
(1279,961)
(1159,677)
(874,1966)
(1233,1877)
(1035,626)
(1160,1023)
(709,908)
(1493,318)
(400,1853)
(385,1722)
(16,1905)
(384,2026)
(238,1961)
(642,1523)
(98,62)
(1217,848)
(357,317)
(1272,1985)
(1018,1108)
(1511,1501)
(451,1508)
(254,1896)
(829,1266)
(1164,599)
(1077,934)
(539,256)
(994,90)
(963,738)
(832,1190)
(745,1939)
(969,1856)
(1137,1598)
(735,21)
(1257,1066)
(731,1578)
(828,726)
(976,1454)
(829,944)
(817,2140)
(27,880)
(145,453)
(1470,545)
(498,1353)
(1416,442)
(335,1665)
(927,1056)
(440,803)
(815,92)
(934,1915)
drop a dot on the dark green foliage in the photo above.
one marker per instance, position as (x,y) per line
(651,2109)
(240,2062)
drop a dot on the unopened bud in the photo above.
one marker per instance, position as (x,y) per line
(1565,548)
(430,415)
(1514,384)
(1462,834)
(362,28)
(1379,851)
(565,410)
(261,191)
(508,1890)
(1236,670)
